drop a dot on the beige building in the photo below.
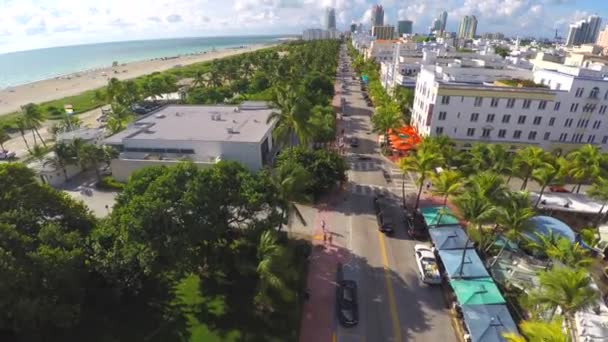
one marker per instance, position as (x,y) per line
(383,32)
(602,39)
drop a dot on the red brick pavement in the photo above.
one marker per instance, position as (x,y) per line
(318,313)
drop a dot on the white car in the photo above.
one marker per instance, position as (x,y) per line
(427,264)
(5,155)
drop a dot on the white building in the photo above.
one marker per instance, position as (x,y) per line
(201,134)
(319,34)
(472,105)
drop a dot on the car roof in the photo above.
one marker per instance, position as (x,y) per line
(425,251)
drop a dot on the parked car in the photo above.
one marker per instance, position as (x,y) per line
(558,188)
(6,155)
(354,142)
(415,225)
(385,223)
(427,265)
(346,303)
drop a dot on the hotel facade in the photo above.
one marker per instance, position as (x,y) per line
(566,111)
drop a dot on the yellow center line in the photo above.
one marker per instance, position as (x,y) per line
(389,289)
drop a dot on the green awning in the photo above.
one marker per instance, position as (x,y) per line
(477,292)
(438,216)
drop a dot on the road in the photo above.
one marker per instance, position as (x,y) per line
(393,304)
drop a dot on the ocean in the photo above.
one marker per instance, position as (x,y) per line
(17,68)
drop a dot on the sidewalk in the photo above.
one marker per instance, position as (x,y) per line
(318,313)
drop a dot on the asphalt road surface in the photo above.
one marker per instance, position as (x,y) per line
(393,304)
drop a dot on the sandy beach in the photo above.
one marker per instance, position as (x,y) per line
(12,98)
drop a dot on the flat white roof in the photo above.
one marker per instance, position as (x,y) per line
(566,201)
(246,123)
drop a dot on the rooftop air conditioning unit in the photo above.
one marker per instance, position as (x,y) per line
(230,130)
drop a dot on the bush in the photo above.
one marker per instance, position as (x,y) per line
(109,183)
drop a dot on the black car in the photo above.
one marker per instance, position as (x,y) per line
(416,227)
(354,142)
(385,223)
(346,303)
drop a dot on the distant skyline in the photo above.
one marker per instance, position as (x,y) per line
(32,24)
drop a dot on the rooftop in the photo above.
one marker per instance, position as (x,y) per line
(244,123)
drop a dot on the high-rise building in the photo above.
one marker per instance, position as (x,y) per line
(435,26)
(602,39)
(443,18)
(383,32)
(377,15)
(584,31)
(353,27)
(330,19)
(404,27)
(468,27)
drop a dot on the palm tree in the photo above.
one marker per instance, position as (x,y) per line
(599,191)
(423,163)
(584,164)
(22,127)
(514,215)
(566,288)
(547,174)
(292,117)
(274,272)
(526,161)
(488,185)
(33,118)
(386,117)
(475,209)
(90,155)
(479,158)
(561,249)
(38,153)
(4,137)
(539,331)
(442,145)
(291,183)
(446,183)
(64,155)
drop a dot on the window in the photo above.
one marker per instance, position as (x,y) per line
(563,137)
(517,134)
(485,133)
(542,105)
(537,120)
(597,124)
(506,118)
(547,135)
(591,139)
(490,118)
(594,92)
(439,130)
(556,106)
(510,103)
(579,92)
(603,109)
(606,95)
(605,139)
(478,101)
(589,108)
(445,100)
(502,133)
(470,132)
(526,104)
(474,117)
(532,135)
(568,122)
(551,121)
(573,107)
(494,102)
(442,116)
(580,123)
(521,119)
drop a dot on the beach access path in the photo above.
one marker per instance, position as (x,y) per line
(12,98)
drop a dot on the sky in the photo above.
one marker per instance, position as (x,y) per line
(32,24)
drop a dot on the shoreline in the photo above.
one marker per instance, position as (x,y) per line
(57,87)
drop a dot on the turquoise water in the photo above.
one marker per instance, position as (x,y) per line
(23,67)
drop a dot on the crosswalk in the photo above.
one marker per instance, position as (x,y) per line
(364,165)
(393,181)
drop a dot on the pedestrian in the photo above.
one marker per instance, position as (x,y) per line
(428,186)
(330,239)
(323,225)
(324,238)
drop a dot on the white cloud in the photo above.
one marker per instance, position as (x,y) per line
(38,23)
